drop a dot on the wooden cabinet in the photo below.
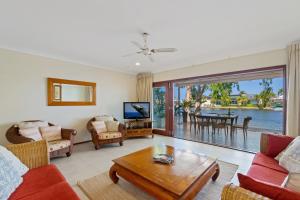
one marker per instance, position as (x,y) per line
(138,128)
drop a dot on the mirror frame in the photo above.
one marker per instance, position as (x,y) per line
(51,86)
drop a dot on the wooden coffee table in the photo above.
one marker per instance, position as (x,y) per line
(181,180)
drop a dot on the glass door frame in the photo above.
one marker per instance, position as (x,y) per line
(168,108)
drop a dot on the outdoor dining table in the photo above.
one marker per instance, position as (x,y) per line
(233,118)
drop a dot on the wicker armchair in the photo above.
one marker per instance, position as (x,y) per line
(33,154)
(95,137)
(13,136)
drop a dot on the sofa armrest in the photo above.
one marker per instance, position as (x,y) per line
(32,154)
(68,134)
(233,192)
(272,144)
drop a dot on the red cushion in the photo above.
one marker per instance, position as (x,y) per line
(36,180)
(267,190)
(277,143)
(266,174)
(266,161)
(59,191)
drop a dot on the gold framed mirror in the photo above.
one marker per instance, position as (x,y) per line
(62,92)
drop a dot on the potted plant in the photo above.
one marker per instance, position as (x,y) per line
(186,105)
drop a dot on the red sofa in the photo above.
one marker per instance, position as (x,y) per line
(265,174)
(43,180)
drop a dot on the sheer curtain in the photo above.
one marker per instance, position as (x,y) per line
(293,89)
(144,86)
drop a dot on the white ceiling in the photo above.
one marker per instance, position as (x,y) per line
(98,32)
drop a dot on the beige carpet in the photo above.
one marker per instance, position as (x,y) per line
(100,187)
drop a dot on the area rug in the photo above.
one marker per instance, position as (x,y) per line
(101,187)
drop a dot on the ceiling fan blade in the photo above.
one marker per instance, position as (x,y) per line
(160,50)
(137,44)
(151,58)
(131,54)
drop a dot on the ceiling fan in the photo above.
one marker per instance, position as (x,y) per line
(146,51)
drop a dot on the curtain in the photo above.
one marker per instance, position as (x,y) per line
(293,89)
(144,87)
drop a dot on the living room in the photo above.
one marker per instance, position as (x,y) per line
(193,146)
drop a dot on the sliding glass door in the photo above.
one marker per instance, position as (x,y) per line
(162,109)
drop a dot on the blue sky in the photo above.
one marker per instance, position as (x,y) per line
(250,87)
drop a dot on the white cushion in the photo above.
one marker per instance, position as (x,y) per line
(51,133)
(11,172)
(290,158)
(109,135)
(32,133)
(99,126)
(112,126)
(24,125)
(104,118)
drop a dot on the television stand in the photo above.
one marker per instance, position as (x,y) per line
(138,128)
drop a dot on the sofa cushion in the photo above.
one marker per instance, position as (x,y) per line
(32,133)
(266,161)
(266,174)
(112,126)
(36,180)
(109,135)
(51,133)
(266,189)
(276,144)
(104,118)
(37,124)
(58,144)
(290,159)
(59,191)
(99,126)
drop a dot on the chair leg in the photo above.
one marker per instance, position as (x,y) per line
(97,146)
(121,143)
(68,154)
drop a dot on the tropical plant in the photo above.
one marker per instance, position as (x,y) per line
(263,99)
(221,92)
(159,102)
(242,100)
(186,105)
(280,92)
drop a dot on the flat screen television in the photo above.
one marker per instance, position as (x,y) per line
(136,110)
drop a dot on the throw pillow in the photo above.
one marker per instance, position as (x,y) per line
(24,125)
(290,159)
(293,182)
(11,172)
(99,126)
(276,144)
(282,152)
(104,118)
(32,133)
(267,190)
(51,133)
(112,126)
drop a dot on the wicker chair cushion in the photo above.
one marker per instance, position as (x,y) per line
(58,144)
(51,133)
(109,135)
(32,133)
(99,126)
(37,124)
(112,126)
(104,118)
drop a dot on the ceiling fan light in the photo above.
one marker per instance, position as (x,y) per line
(137,64)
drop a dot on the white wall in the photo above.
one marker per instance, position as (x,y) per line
(23,92)
(266,59)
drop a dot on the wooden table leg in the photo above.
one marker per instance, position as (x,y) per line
(113,174)
(216,175)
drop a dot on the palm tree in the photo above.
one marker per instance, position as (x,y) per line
(242,100)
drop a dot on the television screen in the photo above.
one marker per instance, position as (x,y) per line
(136,110)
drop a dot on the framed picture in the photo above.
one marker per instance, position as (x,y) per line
(57,92)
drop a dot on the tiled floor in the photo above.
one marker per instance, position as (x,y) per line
(86,162)
(236,140)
